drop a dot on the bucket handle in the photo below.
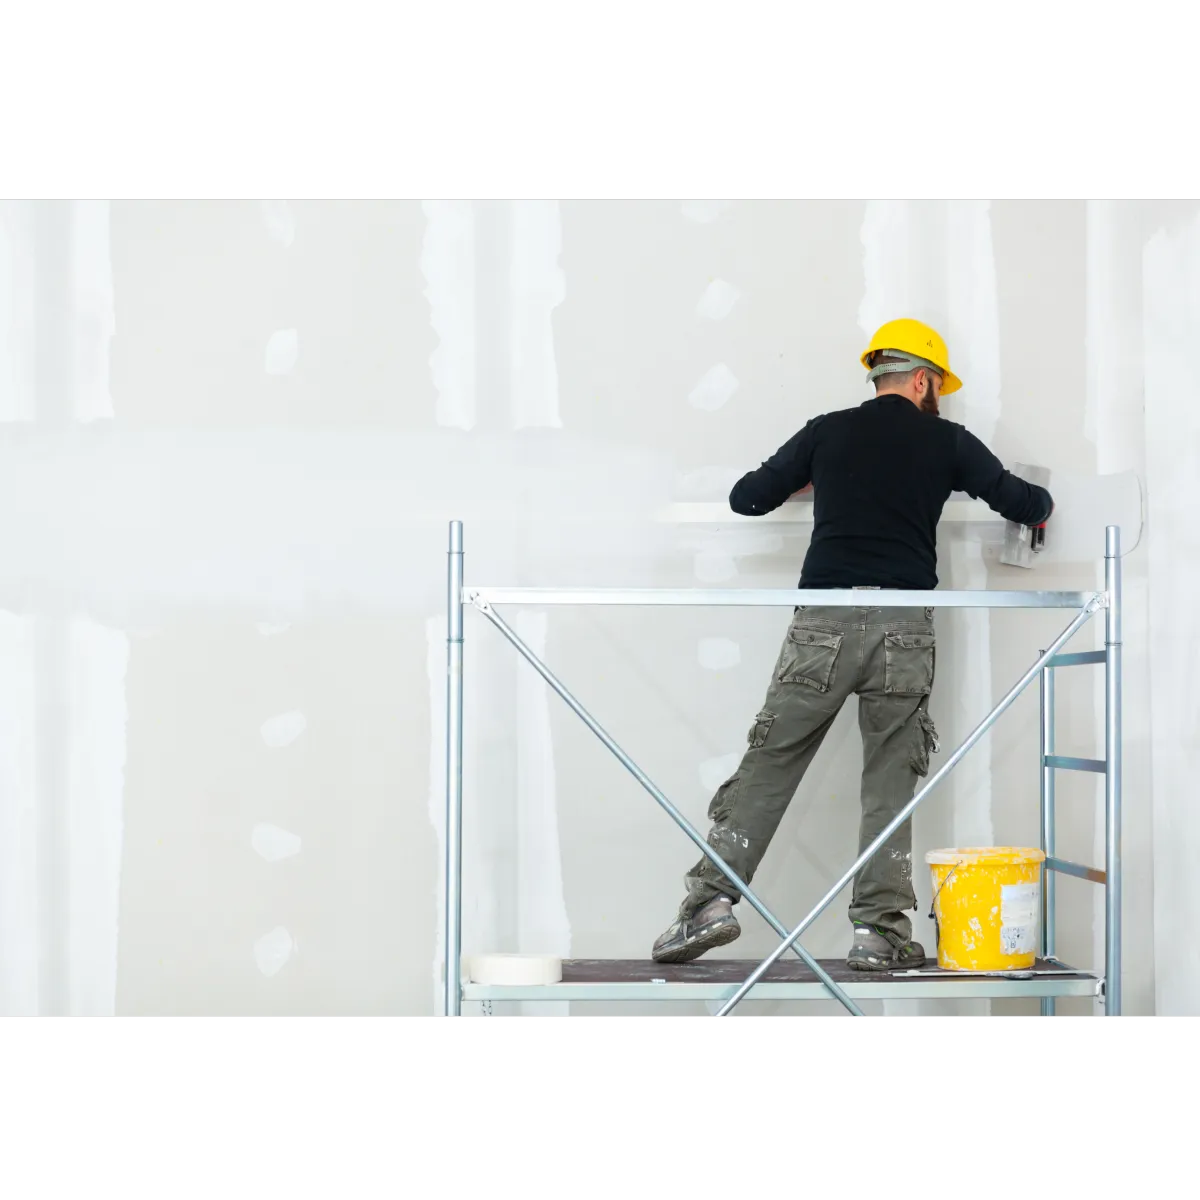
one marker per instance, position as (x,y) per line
(937,926)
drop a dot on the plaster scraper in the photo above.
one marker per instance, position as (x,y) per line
(1083,506)
(1022,542)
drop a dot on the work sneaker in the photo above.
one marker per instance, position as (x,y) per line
(875,950)
(711,925)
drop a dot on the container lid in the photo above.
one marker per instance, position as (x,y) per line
(1000,856)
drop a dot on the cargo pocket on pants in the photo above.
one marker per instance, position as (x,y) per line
(757,737)
(925,743)
(908,663)
(809,656)
(720,808)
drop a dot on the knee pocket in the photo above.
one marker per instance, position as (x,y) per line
(925,742)
(721,807)
(756,739)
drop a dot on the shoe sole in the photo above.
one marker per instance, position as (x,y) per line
(859,964)
(702,943)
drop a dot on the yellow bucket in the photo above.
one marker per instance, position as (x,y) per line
(986,902)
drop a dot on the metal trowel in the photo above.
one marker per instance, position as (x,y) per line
(1023,542)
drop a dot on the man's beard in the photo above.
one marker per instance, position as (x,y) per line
(929,403)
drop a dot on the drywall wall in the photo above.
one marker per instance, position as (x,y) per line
(232,435)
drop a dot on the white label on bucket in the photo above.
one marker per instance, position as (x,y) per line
(1018,939)
(1019,904)
(1019,918)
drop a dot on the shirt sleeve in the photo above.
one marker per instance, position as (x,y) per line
(979,473)
(786,472)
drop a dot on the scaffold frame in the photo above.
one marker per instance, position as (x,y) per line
(721,981)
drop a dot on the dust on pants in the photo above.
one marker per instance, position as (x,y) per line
(885,656)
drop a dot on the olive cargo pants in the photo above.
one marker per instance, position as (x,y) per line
(885,656)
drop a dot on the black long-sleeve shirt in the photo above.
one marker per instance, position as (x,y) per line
(881,473)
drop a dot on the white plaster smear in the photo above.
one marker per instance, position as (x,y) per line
(96,736)
(934,261)
(19,962)
(1171,286)
(272,843)
(283,348)
(717,300)
(714,771)
(448,265)
(273,950)
(92,300)
(282,524)
(18,397)
(538,287)
(718,653)
(435,669)
(715,389)
(283,729)
(703,212)
(272,628)
(281,224)
(543,926)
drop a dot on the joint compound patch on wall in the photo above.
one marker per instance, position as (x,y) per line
(283,349)
(18,396)
(539,286)
(94,318)
(718,653)
(281,224)
(703,212)
(284,729)
(714,771)
(272,843)
(272,951)
(715,389)
(717,301)
(1019,905)
(448,265)
(435,670)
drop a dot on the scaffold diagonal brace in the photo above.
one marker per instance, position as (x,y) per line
(663,802)
(906,812)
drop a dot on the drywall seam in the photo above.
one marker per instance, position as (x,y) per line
(1171,331)
(934,261)
(543,926)
(18,400)
(1118,424)
(973,327)
(448,265)
(301,521)
(18,820)
(18,805)
(280,221)
(94,315)
(537,286)
(1098,427)
(435,669)
(99,660)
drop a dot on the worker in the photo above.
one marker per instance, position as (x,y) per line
(881,473)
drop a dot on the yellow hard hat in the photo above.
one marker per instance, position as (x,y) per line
(919,341)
